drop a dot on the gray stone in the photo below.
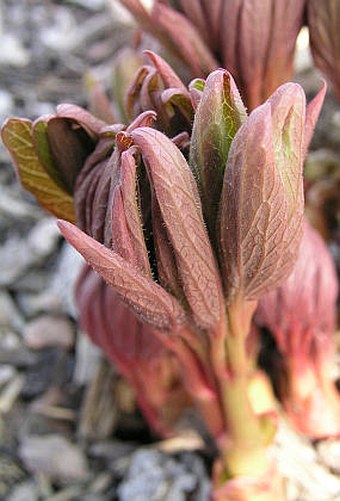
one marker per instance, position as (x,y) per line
(329,453)
(12,51)
(10,315)
(69,265)
(26,491)
(47,330)
(7,372)
(55,457)
(14,207)
(17,255)
(43,238)
(87,359)
(154,476)
(33,304)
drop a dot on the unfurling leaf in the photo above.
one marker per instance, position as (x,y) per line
(176,193)
(219,115)
(147,299)
(84,118)
(262,199)
(125,65)
(17,136)
(62,147)
(127,232)
(169,77)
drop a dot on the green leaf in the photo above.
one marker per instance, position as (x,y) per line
(44,153)
(17,137)
(219,115)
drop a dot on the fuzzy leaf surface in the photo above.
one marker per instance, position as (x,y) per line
(259,233)
(147,299)
(127,231)
(176,192)
(219,115)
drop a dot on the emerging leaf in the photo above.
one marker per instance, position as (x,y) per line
(127,232)
(62,147)
(262,199)
(17,135)
(219,115)
(176,193)
(305,302)
(92,190)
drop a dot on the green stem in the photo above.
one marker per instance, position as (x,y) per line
(244,452)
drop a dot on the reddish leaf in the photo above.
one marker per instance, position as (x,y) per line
(262,199)
(312,115)
(127,231)
(323,23)
(176,193)
(149,301)
(175,32)
(92,124)
(165,71)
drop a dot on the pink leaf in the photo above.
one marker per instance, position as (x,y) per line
(149,301)
(176,193)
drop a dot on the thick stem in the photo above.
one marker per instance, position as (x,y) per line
(199,382)
(244,459)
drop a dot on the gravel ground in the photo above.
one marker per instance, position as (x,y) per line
(69,427)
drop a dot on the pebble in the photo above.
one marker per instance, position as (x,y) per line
(87,359)
(7,372)
(329,453)
(54,456)
(10,315)
(297,462)
(63,283)
(25,491)
(154,476)
(46,331)
(33,304)
(12,51)
(14,207)
(17,255)
(43,238)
